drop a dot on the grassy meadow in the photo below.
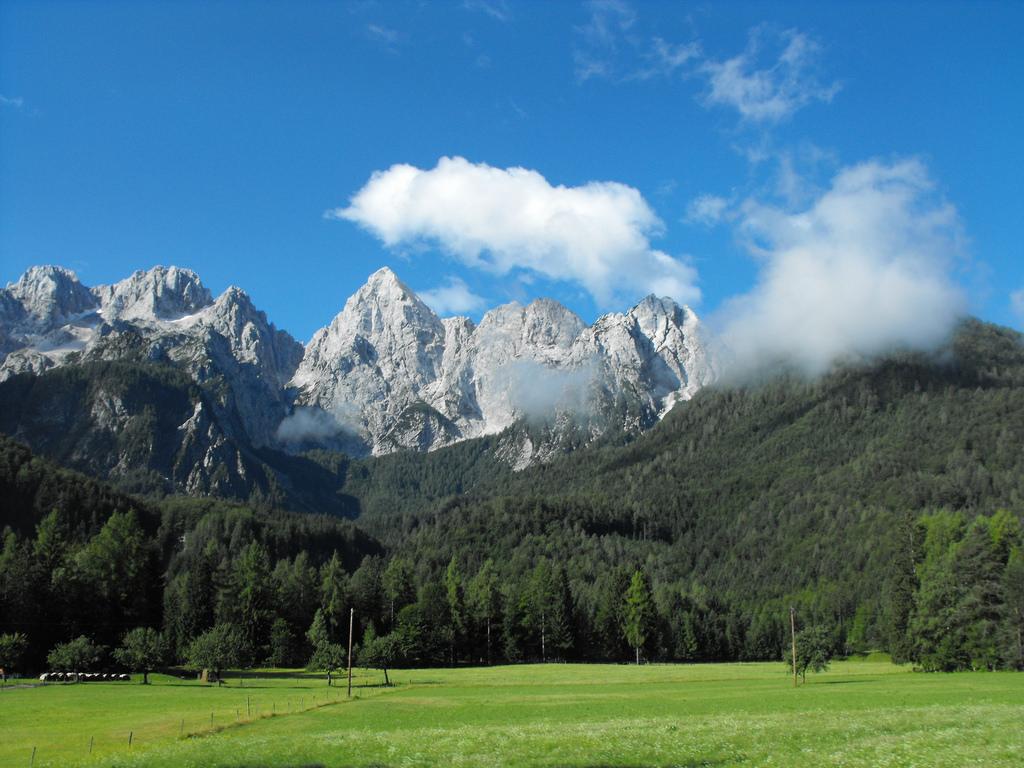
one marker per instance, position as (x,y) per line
(860,713)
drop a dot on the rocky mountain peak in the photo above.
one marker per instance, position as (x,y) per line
(385,304)
(657,317)
(50,294)
(161,293)
(393,373)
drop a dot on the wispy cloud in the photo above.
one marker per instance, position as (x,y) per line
(454,297)
(611,45)
(768,91)
(506,220)
(386,36)
(599,39)
(496,9)
(664,59)
(14,102)
(865,269)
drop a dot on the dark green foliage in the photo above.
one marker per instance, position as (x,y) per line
(217,649)
(327,656)
(379,652)
(78,655)
(964,617)
(13,646)
(814,650)
(141,650)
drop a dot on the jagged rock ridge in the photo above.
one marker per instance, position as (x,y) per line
(48,318)
(386,374)
(391,373)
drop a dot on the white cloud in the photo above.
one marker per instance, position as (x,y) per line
(452,298)
(308,425)
(12,101)
(864,270)
(537,391)
(774,92)
(706,209)
(505,219)
(1017,304)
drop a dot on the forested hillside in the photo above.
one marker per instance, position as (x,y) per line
(882,501)
(78,557)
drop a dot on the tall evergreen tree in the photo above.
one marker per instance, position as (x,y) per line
(455,590)
(399,586)
(639,612)
(484,606)
(254,593)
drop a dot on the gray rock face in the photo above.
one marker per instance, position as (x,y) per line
(43,297)
(389,372)
(160,294)
(48,318)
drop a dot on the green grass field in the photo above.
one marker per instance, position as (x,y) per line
(866,713)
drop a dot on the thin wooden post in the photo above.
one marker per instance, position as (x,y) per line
(181,728)
(91,739)
(351,620)
(248,707)
(130,735)
(32,760)
(792,635)
(211,719)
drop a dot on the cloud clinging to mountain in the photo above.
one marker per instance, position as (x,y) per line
(864,270)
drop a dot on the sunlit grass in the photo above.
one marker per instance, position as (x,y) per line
(866,713)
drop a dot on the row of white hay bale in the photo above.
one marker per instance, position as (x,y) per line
(89,677)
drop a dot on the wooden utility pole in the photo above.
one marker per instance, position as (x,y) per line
(351,619)
(792,635)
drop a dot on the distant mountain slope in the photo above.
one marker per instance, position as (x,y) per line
(151,429)
(786,490)
(50,319)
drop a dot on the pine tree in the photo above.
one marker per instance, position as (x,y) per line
(254,592)
(456,603)
(334,596)
(399,586)
(639,612)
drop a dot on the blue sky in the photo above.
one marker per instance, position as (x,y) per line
(738,141)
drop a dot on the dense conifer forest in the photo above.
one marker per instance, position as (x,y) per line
(883,502)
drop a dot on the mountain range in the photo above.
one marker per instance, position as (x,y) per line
(387,373)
